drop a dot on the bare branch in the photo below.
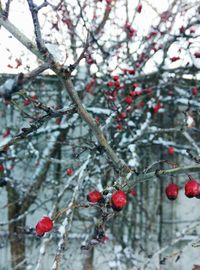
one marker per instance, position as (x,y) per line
(118,163)
(37,124)
(38,36)
(12,86)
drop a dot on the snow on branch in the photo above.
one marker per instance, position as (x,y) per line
(67,222)
(41,172)
(142,177)
(50,113)
(11,86)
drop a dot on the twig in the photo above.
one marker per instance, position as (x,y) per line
(36,125)
(193,143)
(34,13)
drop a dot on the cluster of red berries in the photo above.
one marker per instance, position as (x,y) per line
(130,30)
(27,101)
(118,202)
(118,199)
(89,86)
(192,189)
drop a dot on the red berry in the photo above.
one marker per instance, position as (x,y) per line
(174,58)
(69,171)
(105,238)
(157,107)
(152,34)
(197,54)
(44,225)
(194,91)
(171,150)
(115,78)
(108,8)
(97,119)
(34,97)
(139,8)
(171,191)
(110,84)
(26,102)
(117,84)
(118,200)
(192,31)
(129,71)
(135,85)
(128,100)
(165,16)
(198,196)
(6,133)
(135,93)
(119,127)
(88,89)
(133,192)
(191,188)
(58,120)
(121,116)
(182,29)
(94,196)
(89,59)
(1,168)
(140,104)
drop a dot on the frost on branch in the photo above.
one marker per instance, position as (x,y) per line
(114,116)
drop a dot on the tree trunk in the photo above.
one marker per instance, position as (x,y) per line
(89,260)
(16,231)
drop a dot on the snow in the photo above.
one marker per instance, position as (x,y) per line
(133,162)
(190,120)
(132,147)
(46,153)
(112,264)
(61,229)
(42,250)
(99,110)
(185,101)
(4,141)
(54,265)
(131,124)
(7,87)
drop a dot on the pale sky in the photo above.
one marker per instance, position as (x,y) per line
(10,48)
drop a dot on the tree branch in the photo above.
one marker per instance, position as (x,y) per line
(119,164)
(41,173)
(34,13)
(10,86)
(37,124)
(134,179)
